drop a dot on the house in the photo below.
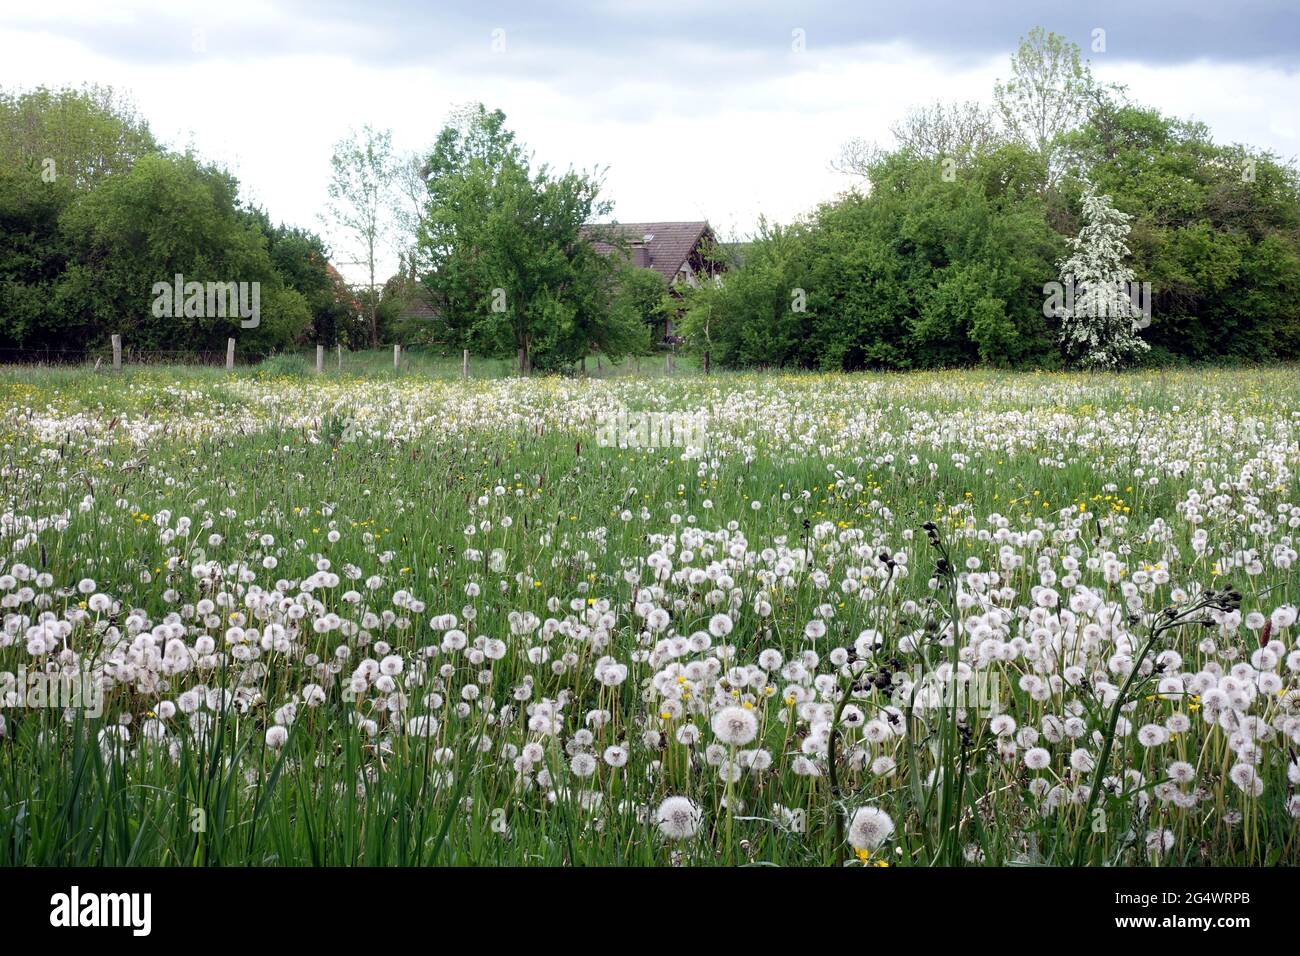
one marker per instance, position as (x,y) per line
(673,249)
(676,250)
(412,307)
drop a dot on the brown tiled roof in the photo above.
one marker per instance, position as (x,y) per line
(671,246)
(417,305)
(412,298)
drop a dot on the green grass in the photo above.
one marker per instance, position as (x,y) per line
(97,470)
(446,364)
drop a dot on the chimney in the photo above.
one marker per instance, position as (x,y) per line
(641,251)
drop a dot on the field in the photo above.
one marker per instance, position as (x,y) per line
(961,619)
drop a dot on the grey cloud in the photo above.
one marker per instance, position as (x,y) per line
(604,40)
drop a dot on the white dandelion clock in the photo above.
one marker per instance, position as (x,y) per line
(869,827)
(1037,758)
(736,726)
(678,818)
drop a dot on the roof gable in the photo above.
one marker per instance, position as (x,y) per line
(670,246)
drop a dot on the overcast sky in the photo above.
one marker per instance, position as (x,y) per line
(723,110)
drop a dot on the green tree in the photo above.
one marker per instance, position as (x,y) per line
(755,314)
(1048,92)
(79,137)
(363,175)
(937,266)
(33,255)
(169,215)
(1215,231)
(639,296)
(301,258)
(508,264)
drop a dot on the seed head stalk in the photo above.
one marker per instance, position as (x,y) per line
(1173,617)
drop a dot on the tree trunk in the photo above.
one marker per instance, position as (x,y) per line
(374,299)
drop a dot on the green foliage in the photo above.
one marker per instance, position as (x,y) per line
(93,214)
(1216,231)
(387,310)
(302,260)
(33,253)
(755,316)
(508,266)
(169,215)
(403,317)
(941,261)
(944,260)
(78,137)
(626,325)
(637,313)
(927,270)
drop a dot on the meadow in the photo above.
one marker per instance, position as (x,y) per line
(959,618)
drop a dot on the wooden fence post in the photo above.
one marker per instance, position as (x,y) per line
(464,364)
(397,356)
(230,355)
(340,345)
(320,359)
(117,353)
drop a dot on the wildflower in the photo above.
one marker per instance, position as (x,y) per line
(736,726)
(1037,758)
(1247,779)
(1152,735)
(869,827)
(678,818)
(720,625)
(583,764)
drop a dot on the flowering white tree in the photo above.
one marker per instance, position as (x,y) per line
(1099,322)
